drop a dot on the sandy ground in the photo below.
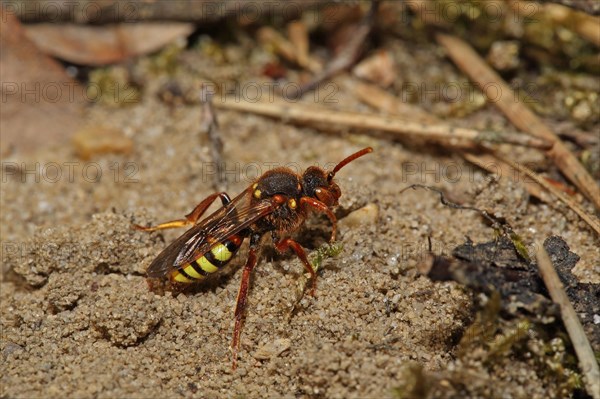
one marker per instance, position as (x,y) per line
(78,319)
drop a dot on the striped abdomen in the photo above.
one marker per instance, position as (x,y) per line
(218,256)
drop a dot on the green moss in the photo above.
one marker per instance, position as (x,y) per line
(324,252)
(504,343)
(520,246)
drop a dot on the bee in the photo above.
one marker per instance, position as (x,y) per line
(278,203)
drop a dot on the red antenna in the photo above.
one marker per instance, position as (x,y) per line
(347,160)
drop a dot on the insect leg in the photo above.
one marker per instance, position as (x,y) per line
(240,305)
(321,207)
(287,243)
(190,218)
(199,210)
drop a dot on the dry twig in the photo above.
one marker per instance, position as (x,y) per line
(583,349)
(501,95)
(304,114)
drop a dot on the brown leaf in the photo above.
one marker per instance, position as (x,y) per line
(99,45)
(41,105)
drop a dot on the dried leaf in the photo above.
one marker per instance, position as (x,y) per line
(100,45)
(38,98)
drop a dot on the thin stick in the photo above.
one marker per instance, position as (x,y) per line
(301,113)
(502,96)
(583,349)
(591,220)
(210,124)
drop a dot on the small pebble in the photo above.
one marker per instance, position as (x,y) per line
(368,214)
(94,140)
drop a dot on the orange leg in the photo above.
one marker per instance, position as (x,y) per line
(321,207)
(287,243)
(240,306)
(190,218)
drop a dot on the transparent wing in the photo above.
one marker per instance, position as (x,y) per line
(230,219)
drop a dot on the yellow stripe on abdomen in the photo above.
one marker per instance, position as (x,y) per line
(189,269)
(221,253)
(206,265)
(180,278)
